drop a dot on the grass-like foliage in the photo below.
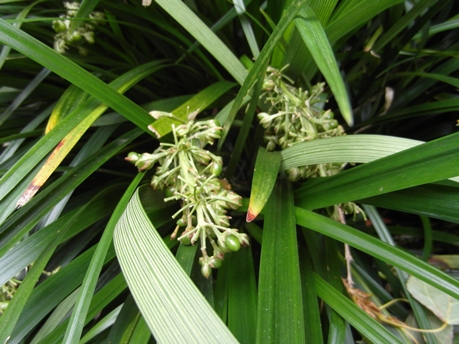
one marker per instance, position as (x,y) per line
(229,171)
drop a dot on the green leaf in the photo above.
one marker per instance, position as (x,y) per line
(22,221)
(378,249)
(258,69)
(426,163)
(47,57)
(51,292)
(16,305)
(367,326)
(350,148)
(280,311)
(204,35)
(172,300)
(197,103)
(436,201)
(85,9)
(242,296)
(76,322)
(264,178)
(311,309)
(89,108)
(314,37)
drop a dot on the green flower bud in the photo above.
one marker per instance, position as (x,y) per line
(132,157)
(265,119)
(332,124)
(76,36)
(206,270)
(268,85)
(59,25)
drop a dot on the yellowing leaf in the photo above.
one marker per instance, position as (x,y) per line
(264,177)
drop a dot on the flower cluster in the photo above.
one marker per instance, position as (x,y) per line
(7,292)
(294,116)
(85,32)
(188,173)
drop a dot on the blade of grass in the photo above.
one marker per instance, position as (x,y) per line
(197,103)
(367,326)
(16,305)
(204,35)
(242,296)
(314,37)
(437,201)
(93,109)
(16,226)
(418,311)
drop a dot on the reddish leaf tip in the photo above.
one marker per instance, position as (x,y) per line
(250,216)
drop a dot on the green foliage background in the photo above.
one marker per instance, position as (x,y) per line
(210,57)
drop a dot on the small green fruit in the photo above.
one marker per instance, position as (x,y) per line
(216,169)
(186,240)
(181,222)
(215,262)
(232,243)
(170,191)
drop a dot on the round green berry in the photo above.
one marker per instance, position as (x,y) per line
(232,243)
(216,168)
(181,222)
(186,240)
(170,191)
(215,262)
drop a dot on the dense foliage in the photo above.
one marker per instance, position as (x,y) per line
(307,149)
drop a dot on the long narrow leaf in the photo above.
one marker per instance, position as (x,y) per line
(369,328)
(76,322)
(379,249)
(315,38)
(204,35)
(67,69)
(280,313)
(426,163)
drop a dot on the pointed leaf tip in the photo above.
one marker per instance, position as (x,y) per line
(251,215)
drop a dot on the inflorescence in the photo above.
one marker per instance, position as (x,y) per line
(65,38)
(295,116)
(188,173)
